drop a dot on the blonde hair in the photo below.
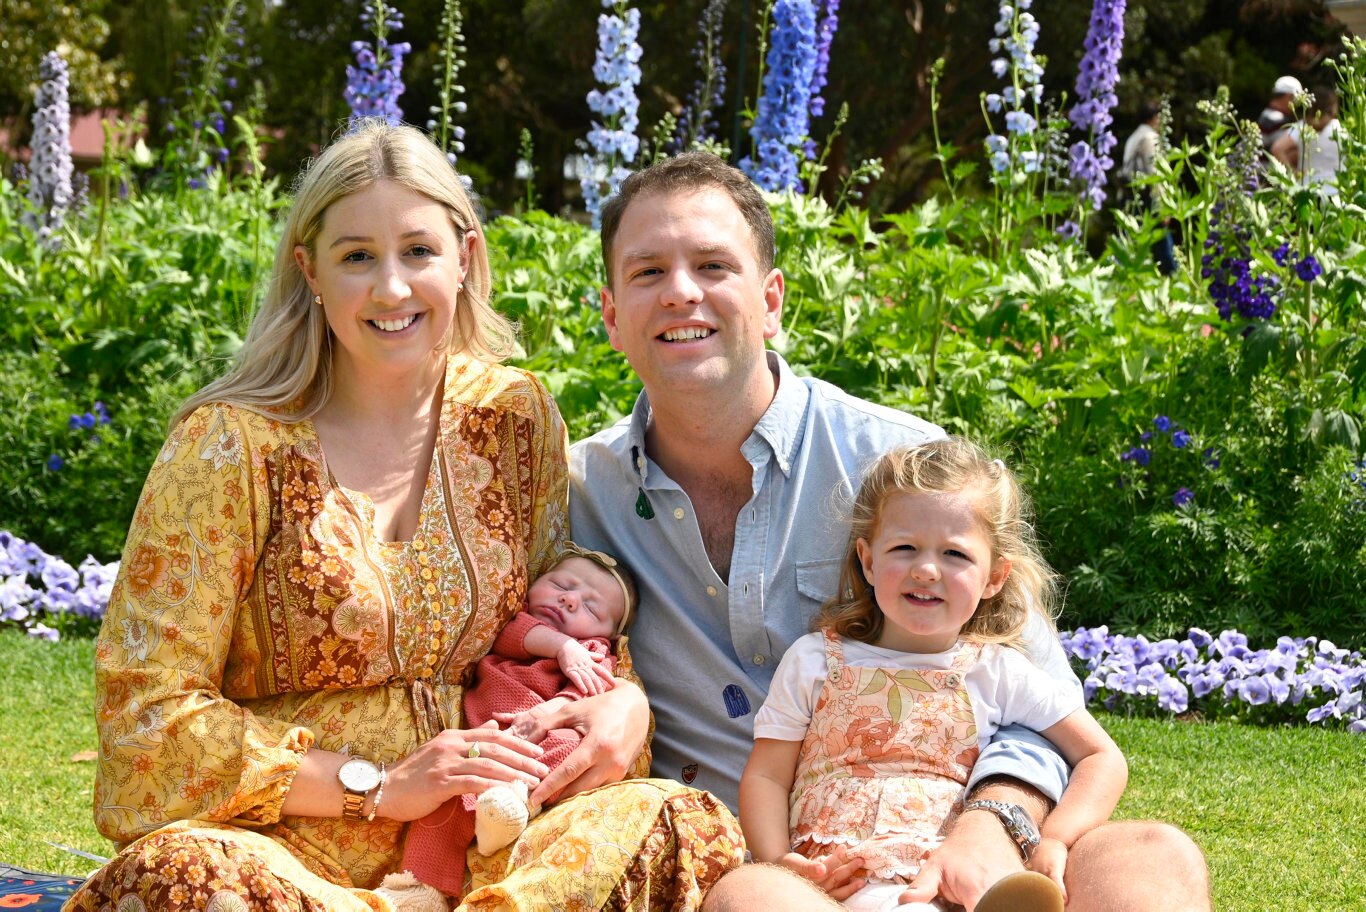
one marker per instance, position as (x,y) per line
(949,466)
(284,368)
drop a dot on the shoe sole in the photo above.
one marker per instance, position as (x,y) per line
(1026,891)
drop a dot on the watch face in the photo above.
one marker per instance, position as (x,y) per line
(358,775)
(1024,824)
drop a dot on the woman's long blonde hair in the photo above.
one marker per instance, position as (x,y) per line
(284,368)
(949,466)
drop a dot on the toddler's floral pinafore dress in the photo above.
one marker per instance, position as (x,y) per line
(884,762)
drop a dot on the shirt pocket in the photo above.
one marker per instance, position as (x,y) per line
(817,582)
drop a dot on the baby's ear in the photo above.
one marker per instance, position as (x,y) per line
(999,571)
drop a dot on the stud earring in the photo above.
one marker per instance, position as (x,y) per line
(318,299)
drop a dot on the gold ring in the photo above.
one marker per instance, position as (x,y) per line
(474,751)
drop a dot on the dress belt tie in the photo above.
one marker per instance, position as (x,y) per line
(427,716)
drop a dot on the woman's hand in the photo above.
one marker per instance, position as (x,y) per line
(836,874)
(613,726)
(442,768)
(583,669)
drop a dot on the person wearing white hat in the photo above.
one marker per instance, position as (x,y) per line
(1276,116)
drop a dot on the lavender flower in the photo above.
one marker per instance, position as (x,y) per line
(1304,678)
(698,121)
(1096,80)
(1182,497)
(37,587)
(49,184)
(374,84)
(782,123)
(613,138)
(825,34)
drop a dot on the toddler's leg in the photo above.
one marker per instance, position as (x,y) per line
(882,896)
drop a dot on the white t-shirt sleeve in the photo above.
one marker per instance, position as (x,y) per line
(1015,691)
(786,713)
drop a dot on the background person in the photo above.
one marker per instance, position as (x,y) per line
(1310,149)
(1278,113)
(331,538)
(716,491)
(1140,159)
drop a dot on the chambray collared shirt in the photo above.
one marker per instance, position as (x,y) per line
(707,649)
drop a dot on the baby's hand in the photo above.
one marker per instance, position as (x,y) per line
(834,873)
(1050,859)
(526,724)
(582,669)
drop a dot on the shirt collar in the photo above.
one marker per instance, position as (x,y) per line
(780,426)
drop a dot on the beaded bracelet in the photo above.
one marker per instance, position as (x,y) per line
(379,792)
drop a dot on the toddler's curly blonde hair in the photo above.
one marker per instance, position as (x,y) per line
(949,466)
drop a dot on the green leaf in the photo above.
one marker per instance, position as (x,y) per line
(878,682)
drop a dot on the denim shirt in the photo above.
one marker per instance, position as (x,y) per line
(707,649)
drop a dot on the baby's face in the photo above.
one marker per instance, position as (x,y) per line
(578,598)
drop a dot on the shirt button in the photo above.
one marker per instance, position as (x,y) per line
(436,644)
(426,572)
(640,462)
(419,545)
(423,559)
(711,590)
(678,513)
(758,658)
(430,589)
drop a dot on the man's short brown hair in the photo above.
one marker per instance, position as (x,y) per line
(689,173)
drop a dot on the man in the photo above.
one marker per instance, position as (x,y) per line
(1277,115)
(717,491)
(1310,150)
(1140,159)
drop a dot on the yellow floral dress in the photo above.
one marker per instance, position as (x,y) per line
(256,615)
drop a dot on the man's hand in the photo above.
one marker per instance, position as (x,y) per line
(836,874)
(977,853)
(1050,859)
(582,668)
(613,726)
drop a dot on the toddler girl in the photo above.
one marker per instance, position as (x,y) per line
(874,721)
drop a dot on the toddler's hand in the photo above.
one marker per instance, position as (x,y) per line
(582,669)
(834,873)
(1050,859)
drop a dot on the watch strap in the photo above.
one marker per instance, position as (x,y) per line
(1006,814)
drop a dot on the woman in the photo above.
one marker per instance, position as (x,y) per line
(331,538)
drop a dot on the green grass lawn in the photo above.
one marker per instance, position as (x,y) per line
(1280,812)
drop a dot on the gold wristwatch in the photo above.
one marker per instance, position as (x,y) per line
(358,778)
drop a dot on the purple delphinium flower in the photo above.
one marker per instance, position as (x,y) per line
(698,122)
(1227,264)
(825,34)
(1308,269)
(782,122)
(1162,423)
(1069,230)
(1096,80)
(1282,254)
(55,463)
(612,139)
(449,135)
(1183,496)
(1139,455)
(1180,439)
(50,169)
(374,84)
